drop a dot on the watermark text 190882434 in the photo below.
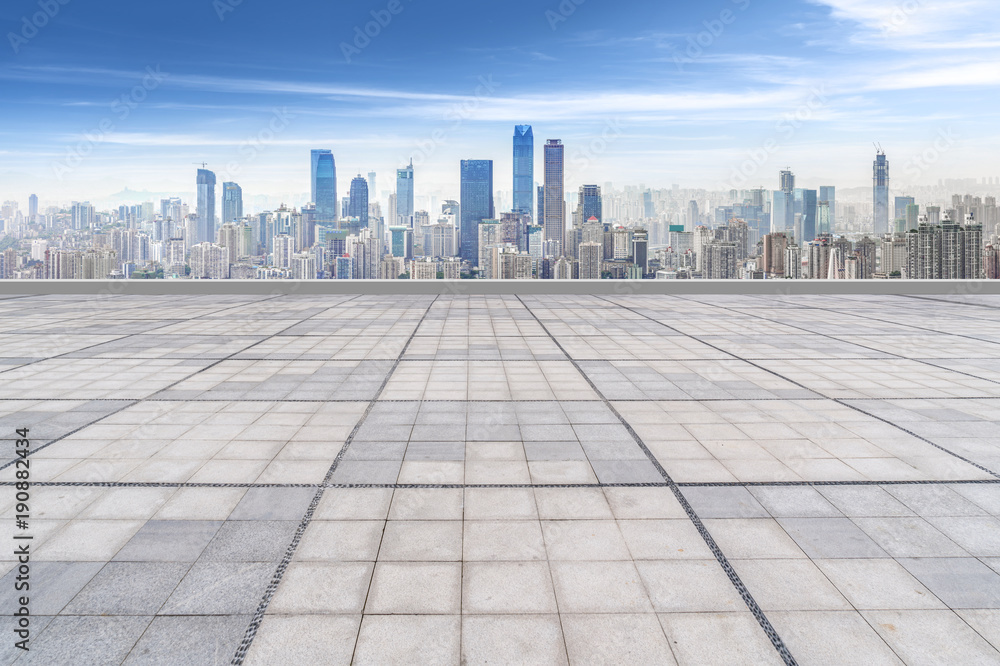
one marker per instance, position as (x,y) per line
(22,540)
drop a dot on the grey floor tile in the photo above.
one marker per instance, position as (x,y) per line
(824,538)
(220,588)
(128,588)
(169,541)
(250,541)
(86,640)
(273,504)
(960,582)
(723,502)
(209,640)
(53,585)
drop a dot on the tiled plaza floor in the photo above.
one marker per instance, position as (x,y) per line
(504,480)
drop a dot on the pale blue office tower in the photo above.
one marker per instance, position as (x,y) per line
(404,196)
(232,203)
(324,185)
(476,205)
(524,169)
(828,193)
(880,193)
(206,206)
(358,203)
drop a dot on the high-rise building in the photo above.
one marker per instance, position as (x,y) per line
(880,193)
(807,205)
(324,185)
(774,255)
(555,206)
(476,205)
(232,203)
(488,238)
(828,193)
(372,192)
(205,232)
(783,205)
(358,203)
(32,208)
(640,250)
(590,203)
(404,197)
(900,207)
(694,218)
(591,256)
(524,169)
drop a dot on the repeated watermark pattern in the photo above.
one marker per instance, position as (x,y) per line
(363,35)
(35,23)
(455,116)
(698,43)
(121,108)
(784,130)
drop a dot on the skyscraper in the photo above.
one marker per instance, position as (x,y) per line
(232,203)
(880,191)
(32,207)
(324,185)
(476,205)
(206,208)
(828,193)
(590,202)
(524,169)
(555,207)
(372,192)
(358,205)
(404,196)
(783,206)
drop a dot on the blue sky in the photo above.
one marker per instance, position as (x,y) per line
(707,94)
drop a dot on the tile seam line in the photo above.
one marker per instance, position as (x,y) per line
(843,401)
(137,401)
(765,624)
(251,631)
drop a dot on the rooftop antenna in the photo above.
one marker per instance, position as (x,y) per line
(203,164)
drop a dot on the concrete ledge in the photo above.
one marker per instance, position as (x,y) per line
(497,287)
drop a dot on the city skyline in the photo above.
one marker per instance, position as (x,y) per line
(782,81)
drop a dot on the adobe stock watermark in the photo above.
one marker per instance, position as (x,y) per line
(784,130)
(381,18)
(584,157)
(714,28)
(900,16)
(121,109)
(457,114)
(254,144)
(223,7)
(31,25)
(921,162)
(562,13)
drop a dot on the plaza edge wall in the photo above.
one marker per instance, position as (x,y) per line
(499,287)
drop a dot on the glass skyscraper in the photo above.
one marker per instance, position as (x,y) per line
(404,196)
(324,185)
(476,205)
(232,203)
(555,207)
(206,206)
(524,169)
(880,193)
(358,205)
(828,193)
(590,200)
